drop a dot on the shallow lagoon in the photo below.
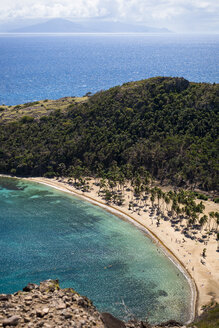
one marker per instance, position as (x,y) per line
(45,233)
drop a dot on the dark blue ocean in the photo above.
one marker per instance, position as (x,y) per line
(50,67)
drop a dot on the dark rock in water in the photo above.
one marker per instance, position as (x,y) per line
(162,293)
(111,322)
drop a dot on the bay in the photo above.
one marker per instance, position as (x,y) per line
(48,234)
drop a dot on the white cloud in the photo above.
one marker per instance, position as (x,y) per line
(50,8)
(150,12)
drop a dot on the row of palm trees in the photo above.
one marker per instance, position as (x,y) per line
(180,206)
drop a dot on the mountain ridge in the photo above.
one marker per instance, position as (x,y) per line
(60,25)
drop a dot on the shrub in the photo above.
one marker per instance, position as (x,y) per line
(49,174)
(200,196)
(27,119)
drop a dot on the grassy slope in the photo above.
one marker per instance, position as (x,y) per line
(37,109)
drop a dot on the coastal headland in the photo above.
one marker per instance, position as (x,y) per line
(186,253)
(46,305)
(111,146)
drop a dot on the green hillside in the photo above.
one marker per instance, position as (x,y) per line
(166,125)
(36,109)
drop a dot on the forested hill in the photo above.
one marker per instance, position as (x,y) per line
(166,125)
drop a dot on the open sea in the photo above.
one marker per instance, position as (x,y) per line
(53,66)
(45,233)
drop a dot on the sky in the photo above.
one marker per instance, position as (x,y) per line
(177,15)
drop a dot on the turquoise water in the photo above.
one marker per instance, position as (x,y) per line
(34,67)
(45,233)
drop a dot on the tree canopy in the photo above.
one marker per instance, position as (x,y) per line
(168,126)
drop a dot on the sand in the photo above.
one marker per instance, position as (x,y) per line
(185,252)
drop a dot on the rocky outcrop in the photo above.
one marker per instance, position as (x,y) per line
(48,306)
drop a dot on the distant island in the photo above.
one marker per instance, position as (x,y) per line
(60,25)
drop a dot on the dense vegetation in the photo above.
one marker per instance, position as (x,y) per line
(209,318)
(168,126)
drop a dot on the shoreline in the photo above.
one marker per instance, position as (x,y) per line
(122,215)
(202,293)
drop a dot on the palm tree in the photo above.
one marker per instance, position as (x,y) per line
(77,173)
(107,196)
(216,214)
(102,185)
(193,218)
(181,196)
(159,196)
(203,220)
(163,195)
(152,199)
(167,201)
(111,183)
(178,211)
(211,216)
(121,181)
(174,206)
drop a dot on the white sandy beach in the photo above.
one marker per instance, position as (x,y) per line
(187,252)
